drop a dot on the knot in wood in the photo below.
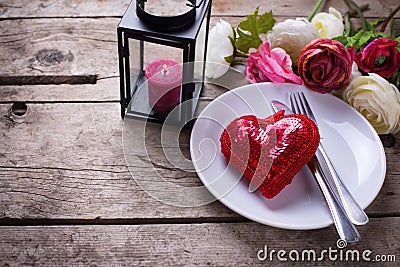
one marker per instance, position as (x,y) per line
(49,57)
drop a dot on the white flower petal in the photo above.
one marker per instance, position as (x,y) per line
(292,36)
(377,100)
(330,24)
(333,11)
(219,47)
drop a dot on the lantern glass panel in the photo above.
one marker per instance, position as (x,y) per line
(200,50)
(135,66)
(153,52)
(141,54)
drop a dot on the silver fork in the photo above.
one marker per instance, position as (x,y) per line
(355,213)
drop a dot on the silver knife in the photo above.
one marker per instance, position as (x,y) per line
(343,224)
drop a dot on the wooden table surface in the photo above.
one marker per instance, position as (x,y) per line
(66,194)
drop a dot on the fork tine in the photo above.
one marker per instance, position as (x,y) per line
(307,107)
(296,103)
(293,103)
(302,108)
(300,105)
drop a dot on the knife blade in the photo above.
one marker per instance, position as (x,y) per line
(278,106)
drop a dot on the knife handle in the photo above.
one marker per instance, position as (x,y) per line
(354,211)
(345,228)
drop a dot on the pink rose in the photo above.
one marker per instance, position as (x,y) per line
(266,65)
(379,56)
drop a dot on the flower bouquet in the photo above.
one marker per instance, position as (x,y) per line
(322,52)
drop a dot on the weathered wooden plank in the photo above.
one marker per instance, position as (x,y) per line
(232,244)
(69,48)
(67,161)
(93,8)
(74,50)
(59,47)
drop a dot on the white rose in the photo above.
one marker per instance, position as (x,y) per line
(377,100)
(219,47)
(292,36)
(330,24)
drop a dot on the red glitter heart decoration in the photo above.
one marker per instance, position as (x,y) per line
(269,152)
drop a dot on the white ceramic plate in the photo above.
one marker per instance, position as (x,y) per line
(351,143)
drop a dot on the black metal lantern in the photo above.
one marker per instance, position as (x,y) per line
(151,43)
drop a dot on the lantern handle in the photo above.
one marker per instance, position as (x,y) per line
(195,6)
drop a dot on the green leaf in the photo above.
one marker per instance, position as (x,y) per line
(351,41)
(249,30)
(359,39)
(395,79)
(265,22)
(376,22)
(233,40)
(342,39)
(229,59)
(364,38)
(244,42)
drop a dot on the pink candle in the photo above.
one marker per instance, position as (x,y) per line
(164,84)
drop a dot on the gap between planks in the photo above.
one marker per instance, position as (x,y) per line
(141,221)
(117,221)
